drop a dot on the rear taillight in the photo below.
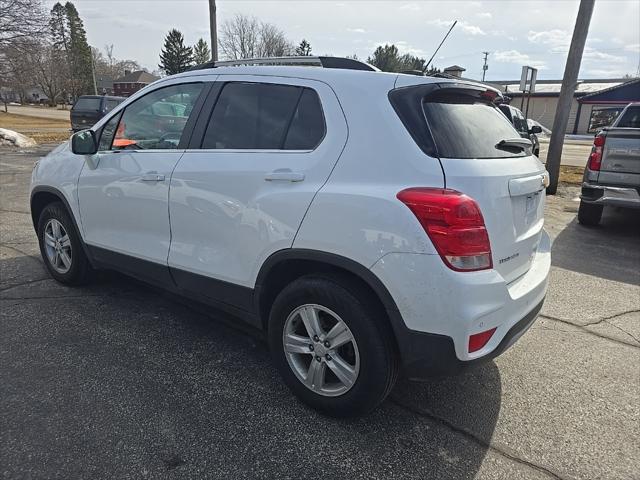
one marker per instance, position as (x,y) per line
(595,159)
(454,224)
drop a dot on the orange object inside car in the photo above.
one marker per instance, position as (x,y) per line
(120,140)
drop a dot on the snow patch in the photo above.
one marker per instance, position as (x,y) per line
(9,138)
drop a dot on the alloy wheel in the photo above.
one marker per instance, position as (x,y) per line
(321,350)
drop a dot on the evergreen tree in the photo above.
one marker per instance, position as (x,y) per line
(201,52)
(80,52)
(388,59)
(175,57)
(304,49)
(70,48)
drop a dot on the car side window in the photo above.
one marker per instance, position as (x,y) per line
(307,126)
(156,121)
(108,130)
(519,122)
(261,116)
(110,105)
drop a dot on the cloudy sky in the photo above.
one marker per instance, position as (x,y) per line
(516,33)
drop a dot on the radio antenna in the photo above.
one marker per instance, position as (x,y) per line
(434,53)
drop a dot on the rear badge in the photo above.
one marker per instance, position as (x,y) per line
(510,257)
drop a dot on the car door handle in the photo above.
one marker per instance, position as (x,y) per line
(284,176)
(152,177)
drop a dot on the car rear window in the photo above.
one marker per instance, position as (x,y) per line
(630,119)
(87,104)
(465,128)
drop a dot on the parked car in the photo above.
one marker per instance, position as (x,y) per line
(369,224)
(88,109)
(516,117)
(612,174)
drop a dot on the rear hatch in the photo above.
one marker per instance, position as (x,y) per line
(86,112)
(465,130)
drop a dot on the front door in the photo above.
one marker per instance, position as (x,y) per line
(124,189)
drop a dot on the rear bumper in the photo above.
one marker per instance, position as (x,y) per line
(427,355)
(628,197)
(439,309)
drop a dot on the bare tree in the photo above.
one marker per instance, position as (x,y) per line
(244,36)
(273,42)
(20,20)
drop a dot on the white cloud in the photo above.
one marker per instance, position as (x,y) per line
(484,15)
(555,38)
(607,73)
(593,54)
(412,7)
(356,30)
(635,47)
(514,56)
(466,27)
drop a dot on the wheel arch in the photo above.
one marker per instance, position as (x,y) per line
(43,195)
(285,266)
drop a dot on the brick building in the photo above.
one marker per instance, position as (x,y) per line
(132,82)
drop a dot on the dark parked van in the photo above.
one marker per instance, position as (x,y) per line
(88,109)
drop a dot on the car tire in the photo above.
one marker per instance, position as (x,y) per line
(61,247)
(356,376)
(589,214)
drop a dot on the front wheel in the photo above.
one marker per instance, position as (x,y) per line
(333,350)
(589,213)
(61,247)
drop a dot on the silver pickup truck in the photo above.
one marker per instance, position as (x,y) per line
(612,175)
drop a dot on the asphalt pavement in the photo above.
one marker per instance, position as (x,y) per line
(120,381)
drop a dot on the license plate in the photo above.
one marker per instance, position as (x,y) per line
(531,208)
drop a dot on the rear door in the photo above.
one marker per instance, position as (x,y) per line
(266,146)
(507,182)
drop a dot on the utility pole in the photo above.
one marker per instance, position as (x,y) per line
(485,67)
(93,73)
(569,82)
(213,26)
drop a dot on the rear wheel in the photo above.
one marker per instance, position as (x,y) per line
(589,213)
(332,349)
(61,247)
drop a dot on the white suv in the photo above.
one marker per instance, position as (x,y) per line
(369,223)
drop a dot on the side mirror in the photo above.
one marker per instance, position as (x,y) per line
(84,143)
(535,129)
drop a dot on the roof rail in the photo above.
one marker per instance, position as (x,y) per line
(324,62)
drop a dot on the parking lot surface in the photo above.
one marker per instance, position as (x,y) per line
(117,380)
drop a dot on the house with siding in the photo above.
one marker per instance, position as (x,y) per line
(596,102)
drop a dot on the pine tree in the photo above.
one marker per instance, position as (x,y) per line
(304,49)
(175,57)
(71,49)
(201,52)
(79,51)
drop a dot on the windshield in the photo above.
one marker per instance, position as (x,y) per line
(470,129)
(87,104)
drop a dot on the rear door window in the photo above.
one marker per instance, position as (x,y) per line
(467,128)
(88,104)
(261,116)
(110,104)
